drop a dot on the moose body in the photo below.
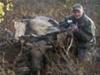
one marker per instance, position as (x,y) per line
(38,28)
(31,49)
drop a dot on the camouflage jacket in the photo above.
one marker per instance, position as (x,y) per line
(86,28)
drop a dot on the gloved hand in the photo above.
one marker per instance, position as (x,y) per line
(73,28)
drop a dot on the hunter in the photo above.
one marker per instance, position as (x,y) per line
(83,29)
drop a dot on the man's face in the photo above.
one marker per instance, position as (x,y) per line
(77,14)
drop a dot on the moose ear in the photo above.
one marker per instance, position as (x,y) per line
(53,22)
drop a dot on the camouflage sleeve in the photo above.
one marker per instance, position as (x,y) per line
(87,33)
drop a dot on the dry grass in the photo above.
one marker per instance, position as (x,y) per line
(60,62)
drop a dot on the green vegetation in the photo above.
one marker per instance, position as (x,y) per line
(5,6)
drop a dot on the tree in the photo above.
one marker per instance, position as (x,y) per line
(5,6)
(2,13)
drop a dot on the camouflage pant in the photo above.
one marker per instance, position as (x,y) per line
(85,58)
(85,53)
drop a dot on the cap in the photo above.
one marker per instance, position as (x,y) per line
(77,7)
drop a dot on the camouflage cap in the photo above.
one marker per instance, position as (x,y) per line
(78,7)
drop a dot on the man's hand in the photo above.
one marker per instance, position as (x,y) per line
(73,28)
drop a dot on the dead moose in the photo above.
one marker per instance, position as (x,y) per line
(39,48)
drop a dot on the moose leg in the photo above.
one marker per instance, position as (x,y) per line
(37,57)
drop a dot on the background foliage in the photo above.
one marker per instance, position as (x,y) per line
(11,10)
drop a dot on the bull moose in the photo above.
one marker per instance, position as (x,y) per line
(45,36)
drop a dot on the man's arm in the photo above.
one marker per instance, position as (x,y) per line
(86,33)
